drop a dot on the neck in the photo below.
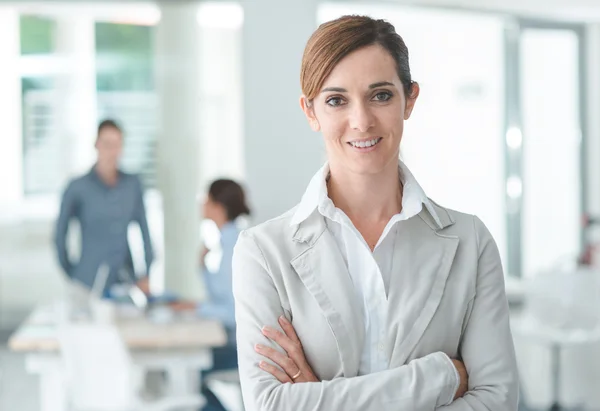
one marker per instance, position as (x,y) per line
(367,197)
(221,222)
(107,174)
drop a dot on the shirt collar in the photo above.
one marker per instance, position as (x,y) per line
(413,196)
(93,174)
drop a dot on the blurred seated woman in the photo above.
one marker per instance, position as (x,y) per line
(226,201)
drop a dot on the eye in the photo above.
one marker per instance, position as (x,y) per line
(383,96)
(334,101)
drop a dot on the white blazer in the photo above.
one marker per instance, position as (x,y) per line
(446,299)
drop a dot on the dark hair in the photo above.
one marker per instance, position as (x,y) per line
(334,40)
(230,195)
(108,123)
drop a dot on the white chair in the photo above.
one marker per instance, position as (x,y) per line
(562,310)
(101,376)
(225,385)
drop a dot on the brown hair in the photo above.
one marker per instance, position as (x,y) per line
(334,40)
(230,195)
(109,123)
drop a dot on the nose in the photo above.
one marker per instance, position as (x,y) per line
(361,118)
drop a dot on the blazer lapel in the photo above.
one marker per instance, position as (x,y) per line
(422,262)
(323,271)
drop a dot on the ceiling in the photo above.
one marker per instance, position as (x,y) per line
(568,10)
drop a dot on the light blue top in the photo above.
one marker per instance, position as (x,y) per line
(220,304)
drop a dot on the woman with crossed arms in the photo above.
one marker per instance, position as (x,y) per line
(368,296)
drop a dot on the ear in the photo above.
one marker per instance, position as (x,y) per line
(309,112)
(411,100)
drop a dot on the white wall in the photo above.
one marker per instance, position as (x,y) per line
(29,273)
(222,145)
(281,153)
(551,213)
(593,125)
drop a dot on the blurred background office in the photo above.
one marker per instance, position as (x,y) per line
(510,95)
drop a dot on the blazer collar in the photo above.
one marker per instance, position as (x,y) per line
(316,194)
(310,229)
(322,270)
(436,216)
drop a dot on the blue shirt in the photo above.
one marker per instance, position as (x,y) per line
(104,213)
(220,304)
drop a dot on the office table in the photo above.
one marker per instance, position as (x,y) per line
(181,348)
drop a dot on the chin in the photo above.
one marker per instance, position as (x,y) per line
(367,168)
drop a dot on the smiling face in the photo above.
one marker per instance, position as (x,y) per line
(360,110)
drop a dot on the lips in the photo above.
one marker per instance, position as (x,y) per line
(365,144)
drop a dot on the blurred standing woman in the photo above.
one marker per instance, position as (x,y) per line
(104,201)
(368,295)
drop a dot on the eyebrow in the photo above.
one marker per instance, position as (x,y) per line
(343,90)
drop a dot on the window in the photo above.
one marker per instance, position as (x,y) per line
(549,96)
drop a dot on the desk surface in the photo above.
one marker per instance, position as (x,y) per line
(38,333)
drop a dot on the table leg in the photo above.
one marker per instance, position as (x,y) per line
(183,381)
(556,369)
(183,378)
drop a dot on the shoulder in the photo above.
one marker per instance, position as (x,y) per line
(463,225)
(77,184)
(265,250)
(276,228)
(130,177)
(229,234)
(131,180)
(273,238)
(476,248)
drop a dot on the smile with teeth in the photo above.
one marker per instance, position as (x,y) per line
(365,143)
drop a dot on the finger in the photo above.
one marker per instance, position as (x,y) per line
(286,363)
(288,328)
(276,372)
(292,349)
(280,338)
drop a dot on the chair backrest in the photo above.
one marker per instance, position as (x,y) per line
(98,367)
(566,300)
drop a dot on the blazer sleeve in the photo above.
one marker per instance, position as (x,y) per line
(487,345)
(421,385)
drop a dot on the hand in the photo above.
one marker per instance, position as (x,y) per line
(293,362)
(203,254)
(463,387)
(144,285)
(183,306)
